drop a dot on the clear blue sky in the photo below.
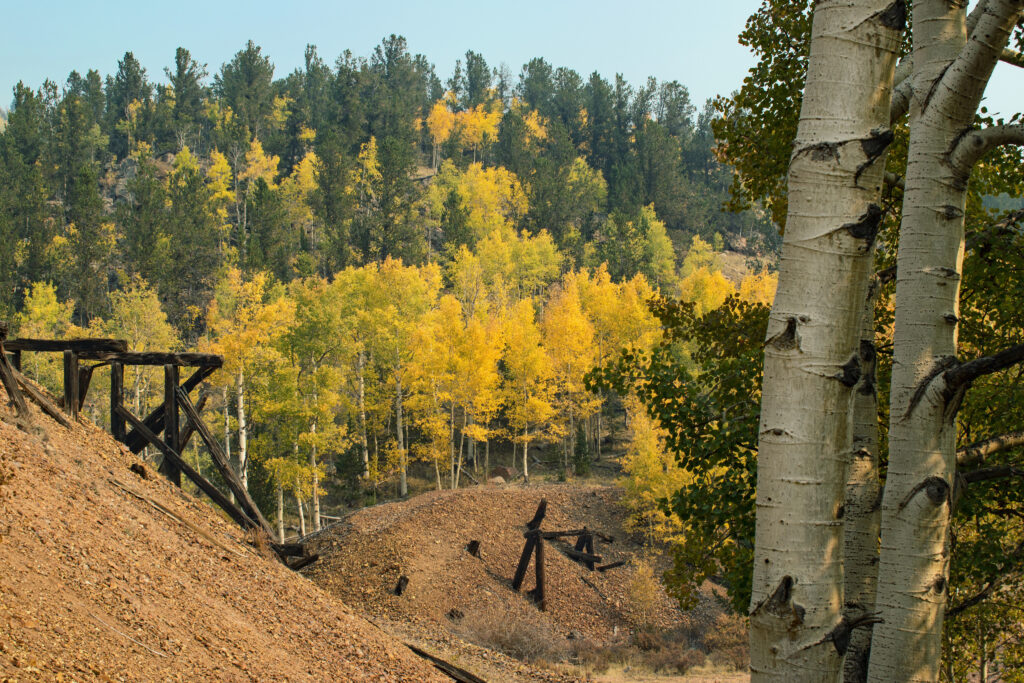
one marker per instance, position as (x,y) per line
(691,41)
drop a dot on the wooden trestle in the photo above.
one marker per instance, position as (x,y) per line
(177,418)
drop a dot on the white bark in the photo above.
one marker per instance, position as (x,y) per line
(403,481)
(811,358)
(950,76)
(360,369)
(280,512)
(243,441)
(861,509)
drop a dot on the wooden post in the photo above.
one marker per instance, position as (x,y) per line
(171,426)
(590,550)
(117,427)
(524,560)
(16,360)
(71,384)
(539,564)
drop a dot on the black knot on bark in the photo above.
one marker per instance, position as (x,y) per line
(879,141)
(951,212)
(866,227)
(936,489)
(841,512)
(849,374)
(894,16)
(789,338)
(951,319)
(939,584)
(867,351)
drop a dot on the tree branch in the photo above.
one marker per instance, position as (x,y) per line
(963,374)
(989,25)
(976,144)
(900,99)
(1012,57)
(990,473)
(976,453)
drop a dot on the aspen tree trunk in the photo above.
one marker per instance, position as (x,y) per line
(302,517)
(403,481)
(362,412)
(811,355)
(280,512)
(950,74)
(863,499)
(227,432)
(526,451)
(243,451)
(316,479)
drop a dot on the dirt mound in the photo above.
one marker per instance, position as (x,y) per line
(452,593)
(107,575)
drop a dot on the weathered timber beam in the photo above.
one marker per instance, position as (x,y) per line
(75,345)
(156,358)
(71,384)
(524,561)
(172,425)
(155,420)
(221,461)
(582,557)
(541,587)
(204,485)
(289,549)
(189,429)
(304,562)
(611,565)
(538,516)
(11,385)
(454,672)
(42,401)
(560,534)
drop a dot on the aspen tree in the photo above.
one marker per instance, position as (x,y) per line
(797,623)
(953,58)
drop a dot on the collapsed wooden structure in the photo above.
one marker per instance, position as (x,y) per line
(582,552)
(177,418)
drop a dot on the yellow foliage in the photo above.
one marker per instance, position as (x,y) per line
(652,474)
(707,289)
(259,165)
(759,287)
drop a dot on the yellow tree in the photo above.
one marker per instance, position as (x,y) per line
(528,378)
(569,341)
(258,166)
(245,319)
(406,294)
(440,124)
(43,316)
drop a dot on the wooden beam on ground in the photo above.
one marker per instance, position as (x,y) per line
(11,385)
(589,548)
(155,420)
(551,535)
(582,557)
(71,384)
(611,565)
(204,485)
(41,400)
(168,468)
(289,549)
(156,358)
(456,673)
(74,345)
(221,461)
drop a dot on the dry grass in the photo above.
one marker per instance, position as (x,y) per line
(526,641)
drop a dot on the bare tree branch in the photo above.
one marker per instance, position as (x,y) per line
(976,144)
(976,453)
(964,373)
(990,473)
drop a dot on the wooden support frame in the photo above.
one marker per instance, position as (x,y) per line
(117,425)
(155,420)
(11,385)
(534,545)
(42,401)
(172,428)
(77,345)
(221,461)
(71,383)
(204,485)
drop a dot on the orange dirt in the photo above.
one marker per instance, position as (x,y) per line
(425,539)
(97,583)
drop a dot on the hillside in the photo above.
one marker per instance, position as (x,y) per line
(109,575)
(455,602)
